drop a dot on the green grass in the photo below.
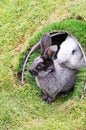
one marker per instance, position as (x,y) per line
(21,107)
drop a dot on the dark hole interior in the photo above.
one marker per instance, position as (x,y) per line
(57,38)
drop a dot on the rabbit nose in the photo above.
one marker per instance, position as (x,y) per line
(33,72)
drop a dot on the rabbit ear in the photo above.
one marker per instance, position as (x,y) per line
(50,52)
(45,42)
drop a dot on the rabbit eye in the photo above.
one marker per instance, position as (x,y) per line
(73,51)
(40,66)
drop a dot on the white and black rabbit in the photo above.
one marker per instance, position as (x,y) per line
(71,54)
(50,76)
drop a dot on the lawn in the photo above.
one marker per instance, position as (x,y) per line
(22,23)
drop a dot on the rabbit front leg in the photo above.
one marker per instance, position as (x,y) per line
(52,97)
(48,98)
(44,95)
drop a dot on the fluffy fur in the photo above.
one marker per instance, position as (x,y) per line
(71,54)
(52,78)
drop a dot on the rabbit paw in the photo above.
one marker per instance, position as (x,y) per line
(44,97)
(47,99)
(50,100)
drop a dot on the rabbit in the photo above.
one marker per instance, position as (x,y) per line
(50,76)
(47,39)
(71,54)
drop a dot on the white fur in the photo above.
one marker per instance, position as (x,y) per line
(65,56)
